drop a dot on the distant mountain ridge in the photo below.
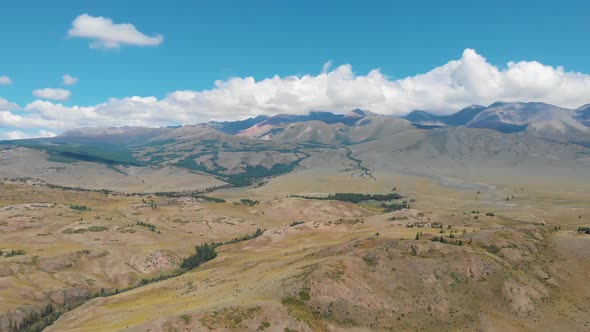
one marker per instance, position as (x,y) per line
(234,127)
(246,152)
(583,114)
(460,118)
(541,119)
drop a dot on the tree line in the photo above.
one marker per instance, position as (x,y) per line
(357,198)
(79,207)
(206,252)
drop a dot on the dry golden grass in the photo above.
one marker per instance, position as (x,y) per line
(352,260)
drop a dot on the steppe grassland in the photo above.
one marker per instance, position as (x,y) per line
(250,274)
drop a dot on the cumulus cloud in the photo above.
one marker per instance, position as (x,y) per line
(52,94)
(13,135)
(45,133)
(69,80)
(10,135)
(5,105)
(445,89)
(5,80)
(106,34)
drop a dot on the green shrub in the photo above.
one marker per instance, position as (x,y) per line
(97,228)
(304,296)
(80,207)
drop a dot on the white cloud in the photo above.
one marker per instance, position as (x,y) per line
(69,80)
(22,135)
(106,34)
(13,135)
(326,67)
(5,105)
(45,133)
(52,94)
(5,80)
(456,84)
(9,119)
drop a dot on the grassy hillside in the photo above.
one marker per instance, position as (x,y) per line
(97,152)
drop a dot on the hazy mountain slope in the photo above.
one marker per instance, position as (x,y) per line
(279,122)
(423,118)
(542,119)
(310,132)
(363,128)
(475,154)
(464,145)
(583,114)
(463,116)
(376,126)
(198,149)
(460,118)
(234,127)
(20,162)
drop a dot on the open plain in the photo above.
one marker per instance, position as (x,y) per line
(320,264)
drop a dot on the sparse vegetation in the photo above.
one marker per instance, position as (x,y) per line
(263,326)
(398,218)
(391,207)
(186,319)
(37,321)
(442,239)
(248,202)
(585,230)
(357,198)
(65,152)
(342,221)
(301,312)
(206,252)
(371,259)
(304,295)
(240,239)
(80,207)
(492,248)
(209,198)
(12,253)
(149,226)
(197,194)
(74,231)
(250,173)
(230,317)
(97,228)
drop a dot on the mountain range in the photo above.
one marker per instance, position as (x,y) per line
(246,152)
(542,120)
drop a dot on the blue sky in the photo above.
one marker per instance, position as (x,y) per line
(205,41)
